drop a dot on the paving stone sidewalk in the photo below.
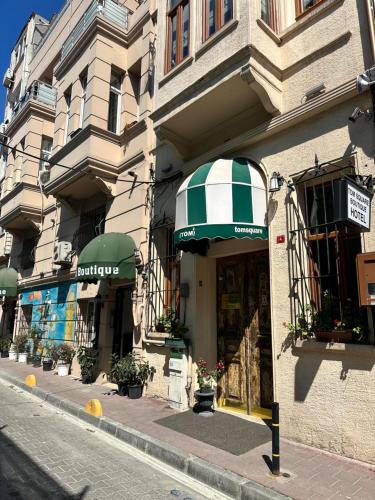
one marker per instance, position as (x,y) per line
(314,474)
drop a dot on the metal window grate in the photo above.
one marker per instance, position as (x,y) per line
(163,281)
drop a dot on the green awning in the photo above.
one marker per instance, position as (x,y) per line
(222,199)
(8,282)
(110,255)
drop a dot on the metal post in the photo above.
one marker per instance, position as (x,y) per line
(275,440)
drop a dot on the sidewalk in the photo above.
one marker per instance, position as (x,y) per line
(313,474)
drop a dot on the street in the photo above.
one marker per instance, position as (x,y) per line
(46,454)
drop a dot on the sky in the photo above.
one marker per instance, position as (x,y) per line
(13,18)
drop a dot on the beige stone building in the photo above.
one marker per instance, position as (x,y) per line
(77,166)
(212,137)
(251,111)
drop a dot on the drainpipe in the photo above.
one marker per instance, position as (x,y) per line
(370,4)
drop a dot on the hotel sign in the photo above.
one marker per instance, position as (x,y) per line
(352,203)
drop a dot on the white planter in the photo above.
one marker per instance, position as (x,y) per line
(22,357)
(62,370)
(12,356)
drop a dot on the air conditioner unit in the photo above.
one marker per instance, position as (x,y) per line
(8,79)
(44,177)
(62,253)
(3,128)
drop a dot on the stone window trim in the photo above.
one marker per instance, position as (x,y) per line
(176,9)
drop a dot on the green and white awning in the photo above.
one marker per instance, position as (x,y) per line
(8,282)
(222,199)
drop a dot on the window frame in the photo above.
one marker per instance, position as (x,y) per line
(272,22)
(45,154)
(177,10)
(118,93)
(68,102)
(83,80)
(219,18)
(301,11)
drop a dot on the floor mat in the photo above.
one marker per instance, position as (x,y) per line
(227,432)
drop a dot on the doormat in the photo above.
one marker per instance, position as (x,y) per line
(227,432)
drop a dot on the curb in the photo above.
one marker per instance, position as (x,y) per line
(216,477)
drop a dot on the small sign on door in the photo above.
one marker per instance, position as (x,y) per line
(230,301)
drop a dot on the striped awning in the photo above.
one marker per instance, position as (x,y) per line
(222,199)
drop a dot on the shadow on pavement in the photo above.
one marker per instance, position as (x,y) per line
(22,478)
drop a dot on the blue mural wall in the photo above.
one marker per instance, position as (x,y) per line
(53,309)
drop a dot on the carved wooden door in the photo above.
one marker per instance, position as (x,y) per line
(244,331)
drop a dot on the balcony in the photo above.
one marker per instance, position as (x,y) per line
(39,94)
(105,8)
(21,209)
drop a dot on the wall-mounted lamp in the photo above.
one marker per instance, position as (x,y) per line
(132,174)
(276,181)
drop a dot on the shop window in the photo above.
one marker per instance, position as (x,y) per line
(322,261)
(92,224)
(305,5)
(178,32)
(268,13)
(45,152)
(216,14)
(114,108)
(163,280)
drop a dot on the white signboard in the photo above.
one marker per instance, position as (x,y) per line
(359,206)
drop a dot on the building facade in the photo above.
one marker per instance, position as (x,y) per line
(221,148)
(78,167)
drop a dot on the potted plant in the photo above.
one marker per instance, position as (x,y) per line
(119,373)
(47,360)
(65,354)
(5,346)
(21,347)
(205,394)
(170,324)
(140,372)
(87,358)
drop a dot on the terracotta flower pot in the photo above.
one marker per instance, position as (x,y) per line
(334,336)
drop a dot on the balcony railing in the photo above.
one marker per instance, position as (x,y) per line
(38,91)
(106,8)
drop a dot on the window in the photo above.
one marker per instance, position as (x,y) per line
(135,82)
(68,100)
(216,14)
(45,152)
(304,5)
(268,13)
(114,102)
(83,100)
(164,276)
(84,330)
(27,256)
(322,257)
(92,224)
(178,26)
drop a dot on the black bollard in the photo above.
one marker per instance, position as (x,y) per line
(275,440)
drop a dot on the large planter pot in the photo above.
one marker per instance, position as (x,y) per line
(205,400)
(37,362)
(122,389)
(47,364)
(13,356)
(176,343)
(4,354)
(30,360)
(334,336)
(22,357)
(63,369)
(135,391)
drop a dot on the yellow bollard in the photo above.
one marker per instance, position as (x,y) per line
(30,380)
(94,407)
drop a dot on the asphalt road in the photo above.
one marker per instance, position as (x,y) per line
(46,454)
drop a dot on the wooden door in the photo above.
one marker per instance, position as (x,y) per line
(244,331)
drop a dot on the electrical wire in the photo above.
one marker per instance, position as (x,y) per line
(72,169)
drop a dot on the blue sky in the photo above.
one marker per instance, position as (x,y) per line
(13,18)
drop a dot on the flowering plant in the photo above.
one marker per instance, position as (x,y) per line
(206,377)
